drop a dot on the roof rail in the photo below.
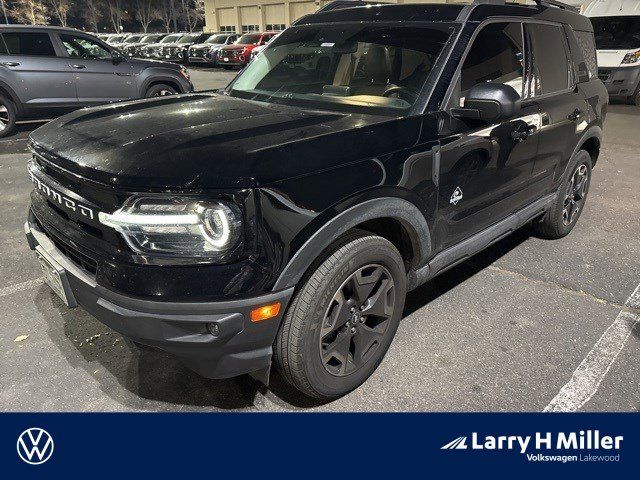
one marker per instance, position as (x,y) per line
(540,3)
(338,4)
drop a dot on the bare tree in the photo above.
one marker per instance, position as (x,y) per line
(34,12)
(166,14)
(146,12)
(191,13)
(4,11)
(60,9)
(92,13)
(117,13)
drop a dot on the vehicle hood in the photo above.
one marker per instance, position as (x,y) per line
(239,46)
(613,58)
(175,45)
(204,141)
(147,62)
(206,45)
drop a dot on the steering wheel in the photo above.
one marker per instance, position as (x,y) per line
(401,91)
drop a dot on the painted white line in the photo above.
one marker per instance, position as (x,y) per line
(20,287)
(586,379)
(634,300)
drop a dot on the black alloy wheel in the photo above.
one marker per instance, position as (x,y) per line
(357,319)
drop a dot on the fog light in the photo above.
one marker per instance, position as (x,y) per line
(265,312)
(214,329)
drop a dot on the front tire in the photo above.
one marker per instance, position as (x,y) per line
(341,322)
(570,200)
(160,90)
(7,116)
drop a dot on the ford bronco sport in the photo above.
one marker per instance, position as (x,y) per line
(284,219)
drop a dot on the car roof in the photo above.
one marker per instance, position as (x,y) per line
(477,11)
(12,26)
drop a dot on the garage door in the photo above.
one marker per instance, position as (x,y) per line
(250,19)
(299,9)
(274,17)
(226,16)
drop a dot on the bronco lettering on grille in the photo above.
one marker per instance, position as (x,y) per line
(60,199)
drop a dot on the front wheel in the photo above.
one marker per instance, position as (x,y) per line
(160,90)
(570,200)
(7,116)
(341,322)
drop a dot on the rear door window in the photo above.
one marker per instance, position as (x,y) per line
(551,68)
(29,43)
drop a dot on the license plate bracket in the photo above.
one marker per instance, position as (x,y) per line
(56,277)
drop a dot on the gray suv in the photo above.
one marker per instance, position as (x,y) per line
(48,71)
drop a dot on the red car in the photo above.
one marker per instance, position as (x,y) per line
(238,54)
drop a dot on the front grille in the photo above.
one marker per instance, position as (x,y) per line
(81,260)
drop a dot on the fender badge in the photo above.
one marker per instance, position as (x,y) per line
(456,196)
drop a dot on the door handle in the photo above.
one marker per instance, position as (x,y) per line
(575,115)
(11,64)
(522,132)
(78,66)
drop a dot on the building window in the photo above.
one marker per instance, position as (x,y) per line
(275,27)
(228,29)
(250,28)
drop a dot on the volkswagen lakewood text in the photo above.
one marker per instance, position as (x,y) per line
(282,220)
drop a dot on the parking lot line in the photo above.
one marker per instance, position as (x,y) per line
(20,286)
(586,379)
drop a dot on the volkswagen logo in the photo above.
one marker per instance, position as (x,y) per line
(35,446)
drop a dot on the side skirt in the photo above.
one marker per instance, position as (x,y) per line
(458,253)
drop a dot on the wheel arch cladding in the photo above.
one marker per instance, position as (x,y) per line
(374,216)
(8,92)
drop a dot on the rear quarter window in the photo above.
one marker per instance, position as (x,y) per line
(29,43)
(587,45)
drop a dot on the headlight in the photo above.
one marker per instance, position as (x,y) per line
(631,57)
(177,226)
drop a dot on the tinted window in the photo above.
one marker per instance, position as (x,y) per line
(585,41)
(248,39)
(82,47)
(29,43)
(616,32)
(550,64)
(495,56)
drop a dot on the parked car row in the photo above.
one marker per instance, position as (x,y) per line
(228,50)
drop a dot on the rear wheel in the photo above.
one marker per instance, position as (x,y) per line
(160,90)
(570,200)
(341,322)
(7,116)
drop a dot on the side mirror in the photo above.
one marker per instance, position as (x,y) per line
(489,102)
(116,57)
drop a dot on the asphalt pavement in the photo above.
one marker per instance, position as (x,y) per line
(527,325)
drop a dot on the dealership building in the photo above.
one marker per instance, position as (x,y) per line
(268,15)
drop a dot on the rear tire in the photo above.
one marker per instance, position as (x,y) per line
(7,116)
(342,320)
(570,200)
(160,90)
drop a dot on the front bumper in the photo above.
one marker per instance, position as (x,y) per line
(182,329)
(620,81)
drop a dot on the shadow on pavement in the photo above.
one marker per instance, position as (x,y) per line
(140,377)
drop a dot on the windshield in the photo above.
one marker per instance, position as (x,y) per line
(616,32)
(187,39)
(248,39)
(133,39)
(170,38)
(216,39)
(351,65)
(150,38)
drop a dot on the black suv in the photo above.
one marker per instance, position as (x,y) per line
(285,218)
(46,71)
